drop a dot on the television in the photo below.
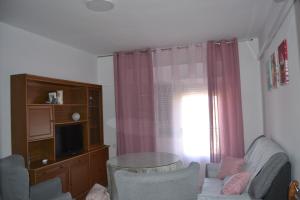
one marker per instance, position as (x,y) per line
(68,140)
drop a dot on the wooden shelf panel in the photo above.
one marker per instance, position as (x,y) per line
(37,92)
(70,122)
(38,164)
(63,114)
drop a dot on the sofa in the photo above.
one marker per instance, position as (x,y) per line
(270,171)
(14,183)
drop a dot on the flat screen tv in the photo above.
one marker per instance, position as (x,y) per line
(68,140)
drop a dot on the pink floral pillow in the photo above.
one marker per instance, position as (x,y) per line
(236,184)
(230,166)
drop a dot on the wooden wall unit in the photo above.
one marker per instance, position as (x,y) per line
(34,125)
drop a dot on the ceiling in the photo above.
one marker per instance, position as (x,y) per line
(137,24)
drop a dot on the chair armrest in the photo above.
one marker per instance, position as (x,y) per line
(46,190)
(223,197)
(212,170)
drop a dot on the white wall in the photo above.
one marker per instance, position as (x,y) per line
(251,91)
(25,52)
(106,79)
(251,94)
(281,106)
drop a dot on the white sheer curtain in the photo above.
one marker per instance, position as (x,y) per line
(181,102)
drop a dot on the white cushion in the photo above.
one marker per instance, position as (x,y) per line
(212,186)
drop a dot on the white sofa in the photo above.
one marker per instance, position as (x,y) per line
(270,169)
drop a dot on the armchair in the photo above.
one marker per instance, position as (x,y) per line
(14,183)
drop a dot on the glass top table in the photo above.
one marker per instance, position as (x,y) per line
(144,160)
(140,163)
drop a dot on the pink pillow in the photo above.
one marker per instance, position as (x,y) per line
(230,166)
(236,184)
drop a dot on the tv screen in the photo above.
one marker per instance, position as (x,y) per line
(68,140)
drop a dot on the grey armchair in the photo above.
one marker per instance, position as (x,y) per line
(14,183)
(176,185)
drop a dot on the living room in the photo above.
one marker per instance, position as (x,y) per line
(66,41)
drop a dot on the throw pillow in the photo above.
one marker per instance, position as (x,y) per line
(98,192)
(236,184)
(230,166)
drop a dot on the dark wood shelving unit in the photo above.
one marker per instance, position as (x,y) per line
(34,124)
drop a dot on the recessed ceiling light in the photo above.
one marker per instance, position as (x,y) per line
(99,5)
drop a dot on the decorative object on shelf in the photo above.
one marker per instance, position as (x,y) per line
(45,161)
(52,98)
(76,116)
(91,100)
(60,96)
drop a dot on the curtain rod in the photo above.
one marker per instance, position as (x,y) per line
(178,47)
(152,50)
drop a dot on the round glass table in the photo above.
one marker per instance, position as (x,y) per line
(140,163)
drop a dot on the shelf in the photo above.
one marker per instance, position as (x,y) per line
(93,106)
(70,122)
(66,157)
(94,146)
(43,139)
(39,164)
(69,104)
(49,104)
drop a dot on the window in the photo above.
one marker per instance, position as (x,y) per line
(195,125)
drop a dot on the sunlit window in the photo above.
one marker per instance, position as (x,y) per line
(195,125)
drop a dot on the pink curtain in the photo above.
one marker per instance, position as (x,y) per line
(224,88)
(181,102)
(134,102)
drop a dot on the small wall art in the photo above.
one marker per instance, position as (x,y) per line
(277,67)
(269,74)
(274,70)
(283,63)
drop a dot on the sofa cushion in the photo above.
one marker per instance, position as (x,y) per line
(236,184)
(98,192)
(212,186)
(230,166)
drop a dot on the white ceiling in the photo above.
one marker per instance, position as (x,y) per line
(137,24)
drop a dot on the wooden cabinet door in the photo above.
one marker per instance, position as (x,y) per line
(40,122)
(59,170)
(79,176)
(98,160)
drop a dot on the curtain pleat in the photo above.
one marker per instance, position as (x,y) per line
(134,102)
(225,103)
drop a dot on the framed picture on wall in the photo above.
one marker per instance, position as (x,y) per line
(283,63)
(274,70)
(269,74)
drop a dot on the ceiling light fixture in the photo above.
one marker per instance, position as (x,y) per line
(99,5)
